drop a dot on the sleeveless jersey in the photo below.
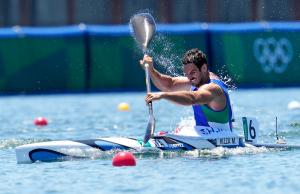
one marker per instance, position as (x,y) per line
(205,116)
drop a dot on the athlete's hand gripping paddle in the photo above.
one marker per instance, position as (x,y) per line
(143,27)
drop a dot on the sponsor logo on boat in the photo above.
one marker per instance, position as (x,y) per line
(159,143)
(178,145)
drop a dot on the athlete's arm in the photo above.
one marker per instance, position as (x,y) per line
(164,82)
(205,95)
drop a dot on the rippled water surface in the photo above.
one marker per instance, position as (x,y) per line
(86,116)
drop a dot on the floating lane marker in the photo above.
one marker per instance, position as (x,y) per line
(294,105)
(40,121)
(124,159)
(123,106)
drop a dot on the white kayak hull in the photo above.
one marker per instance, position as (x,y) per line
(64,150)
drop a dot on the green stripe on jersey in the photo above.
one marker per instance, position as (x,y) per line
(216,116)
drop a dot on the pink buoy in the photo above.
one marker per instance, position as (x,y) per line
(40,121)
(124,159)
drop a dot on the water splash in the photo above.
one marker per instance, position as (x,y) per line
(187,122)
(224,75)
(216,153)
(163,51)
(166,55)
(221,152)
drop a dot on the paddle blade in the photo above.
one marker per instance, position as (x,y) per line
(143,28)
(150,129)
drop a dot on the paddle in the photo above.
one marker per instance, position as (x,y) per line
(143,27)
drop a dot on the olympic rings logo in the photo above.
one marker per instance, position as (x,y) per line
(273,55)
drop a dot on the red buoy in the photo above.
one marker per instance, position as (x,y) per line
(123,159)
(40,121)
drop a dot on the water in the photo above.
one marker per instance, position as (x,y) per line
(86,116)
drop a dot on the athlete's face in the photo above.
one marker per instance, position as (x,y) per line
(196,76)
(193,73)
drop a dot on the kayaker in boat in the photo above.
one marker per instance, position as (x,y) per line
(199,88)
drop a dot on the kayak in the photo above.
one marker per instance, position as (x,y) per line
(64,150)
(208,139)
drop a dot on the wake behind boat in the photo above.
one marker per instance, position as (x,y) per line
(77,149)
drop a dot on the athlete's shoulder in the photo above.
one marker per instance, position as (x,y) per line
(213,87)
(213,76)
(209,87)
(214,79)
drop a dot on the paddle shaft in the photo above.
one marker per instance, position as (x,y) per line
(148,84)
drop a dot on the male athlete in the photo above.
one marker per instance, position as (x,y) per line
(199,88)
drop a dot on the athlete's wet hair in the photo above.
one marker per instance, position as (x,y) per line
(194,56)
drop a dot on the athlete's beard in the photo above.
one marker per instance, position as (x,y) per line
(202,81)
(196,84)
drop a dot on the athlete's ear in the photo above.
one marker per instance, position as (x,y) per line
(204,68)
